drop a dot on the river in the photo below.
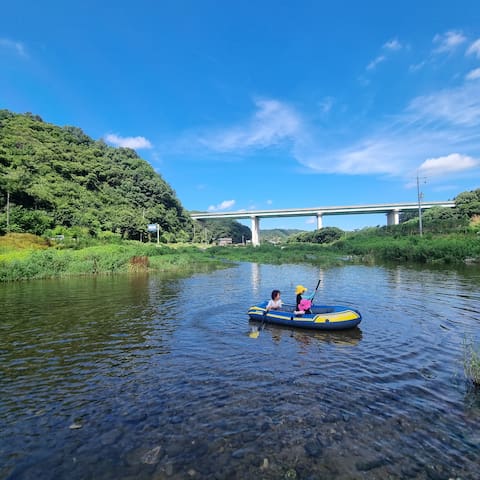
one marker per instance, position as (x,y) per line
(156,377)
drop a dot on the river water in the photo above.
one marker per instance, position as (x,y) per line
(153,377)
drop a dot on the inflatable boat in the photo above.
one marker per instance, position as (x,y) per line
(323,317)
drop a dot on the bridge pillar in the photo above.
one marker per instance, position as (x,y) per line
(319,221)
(393,217)
(255,231)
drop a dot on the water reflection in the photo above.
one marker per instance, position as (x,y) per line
(255,278)
(344,338)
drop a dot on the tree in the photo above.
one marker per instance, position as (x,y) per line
(77,181)
(467,204)
(322,235)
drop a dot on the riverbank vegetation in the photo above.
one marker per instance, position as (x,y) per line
(24,257)
(447,248)
(471,361)
(364,246)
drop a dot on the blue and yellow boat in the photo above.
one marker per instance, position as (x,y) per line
(323,317)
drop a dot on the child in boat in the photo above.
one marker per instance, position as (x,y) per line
(276,302)
(303,305)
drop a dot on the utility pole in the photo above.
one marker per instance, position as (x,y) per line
(420,196)
(8,211)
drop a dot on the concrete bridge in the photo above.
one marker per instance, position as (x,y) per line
(392,210)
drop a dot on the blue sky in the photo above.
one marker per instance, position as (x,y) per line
(262,104)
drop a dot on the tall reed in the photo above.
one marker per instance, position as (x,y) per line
(471,361)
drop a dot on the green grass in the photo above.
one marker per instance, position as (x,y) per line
(24,256)
(447,248)
(471,361)
(360,246)
(30,263)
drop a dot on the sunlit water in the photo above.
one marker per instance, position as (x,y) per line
(150,377)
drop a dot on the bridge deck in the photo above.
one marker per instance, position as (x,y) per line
(332,210)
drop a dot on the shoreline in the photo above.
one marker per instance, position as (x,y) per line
(35,261)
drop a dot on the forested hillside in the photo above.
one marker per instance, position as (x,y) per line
(54,176)
(278,235)
(210,230)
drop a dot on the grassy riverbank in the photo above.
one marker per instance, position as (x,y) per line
(24,257)
(443,249)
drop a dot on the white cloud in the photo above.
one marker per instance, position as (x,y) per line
(269,202)
(17,47)
(473,74)
(273,123)
(221,206)
(373,64)
(393,44)
(449,41)
(453,163)
(128,142)
(474,48)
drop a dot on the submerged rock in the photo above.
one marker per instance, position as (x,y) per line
(152,456)
(290,474)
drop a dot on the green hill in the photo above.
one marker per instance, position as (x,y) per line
(278,235)
(54,176)
(210,231)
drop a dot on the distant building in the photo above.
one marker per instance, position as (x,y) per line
(224,241)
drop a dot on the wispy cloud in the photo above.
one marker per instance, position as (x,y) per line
(376,61)
(449,41)
(417,66)
(326,104)
(474,49)
(446,44)
(273,123)
(438,132)
(458,106)
(12,45)
(388,48)
(225,205)
(473,74)
(393,44)
(424,134)
(128,142)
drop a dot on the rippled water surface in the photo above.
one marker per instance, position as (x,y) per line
(151,377)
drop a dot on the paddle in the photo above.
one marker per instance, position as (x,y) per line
(262,326)
(255,332)
(315,292)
